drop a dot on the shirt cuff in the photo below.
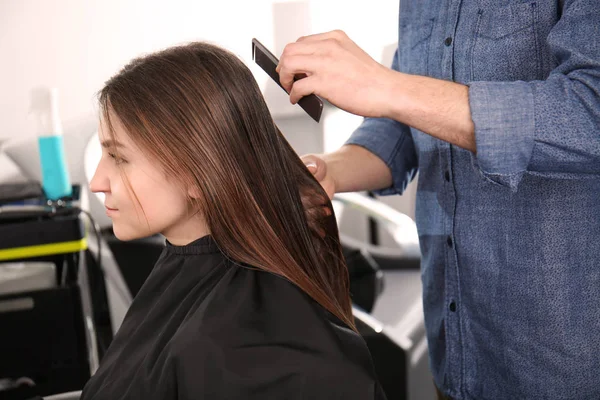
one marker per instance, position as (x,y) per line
(392,142)
(503,114)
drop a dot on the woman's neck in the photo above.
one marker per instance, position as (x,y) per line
(187,230)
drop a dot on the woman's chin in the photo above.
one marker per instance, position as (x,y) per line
(126,234)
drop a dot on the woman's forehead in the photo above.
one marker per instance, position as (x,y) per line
(113,135)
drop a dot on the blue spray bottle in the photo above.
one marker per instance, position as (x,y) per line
(55,173)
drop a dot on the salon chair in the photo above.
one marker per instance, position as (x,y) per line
(394,329)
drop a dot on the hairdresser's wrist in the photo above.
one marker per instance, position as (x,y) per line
(331,161)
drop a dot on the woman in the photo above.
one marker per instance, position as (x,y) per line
(249,299)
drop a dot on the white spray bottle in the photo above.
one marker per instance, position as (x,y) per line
(55,173)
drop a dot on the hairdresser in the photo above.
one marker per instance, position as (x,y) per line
(497,105)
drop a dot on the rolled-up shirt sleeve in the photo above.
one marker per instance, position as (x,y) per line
(392,142)
(549,127)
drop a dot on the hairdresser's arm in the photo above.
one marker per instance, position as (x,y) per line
(351,168)
(340,71)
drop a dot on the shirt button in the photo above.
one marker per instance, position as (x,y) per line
(449,241)
(448,41)
(452,306)
(447,176)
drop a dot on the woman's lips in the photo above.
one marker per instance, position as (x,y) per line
(110,211)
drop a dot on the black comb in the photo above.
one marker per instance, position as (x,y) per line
(312,104)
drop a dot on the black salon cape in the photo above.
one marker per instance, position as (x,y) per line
(202,327)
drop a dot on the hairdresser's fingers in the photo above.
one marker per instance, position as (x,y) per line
(303,87)
(317,213)
(293,66)
(315,165)
(313,48)
(299,60)
(313,199)
(337,35)
(315,217)
(338,71)
(296,49)
(325,43)
(316,206)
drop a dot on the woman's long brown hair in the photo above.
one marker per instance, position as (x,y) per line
(198,111)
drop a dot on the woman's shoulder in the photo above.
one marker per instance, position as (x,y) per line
(249,296)
(261,327)
(249,306)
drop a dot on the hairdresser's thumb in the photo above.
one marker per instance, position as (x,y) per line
(312,167)
(315,165)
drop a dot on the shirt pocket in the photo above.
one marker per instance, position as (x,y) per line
(413,46)
(506,45)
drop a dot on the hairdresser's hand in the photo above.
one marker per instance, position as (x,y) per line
(337,70)
(318,167)
(316,205)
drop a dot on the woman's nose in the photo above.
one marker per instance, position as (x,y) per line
(100,182)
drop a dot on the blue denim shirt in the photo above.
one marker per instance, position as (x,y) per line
(510,237)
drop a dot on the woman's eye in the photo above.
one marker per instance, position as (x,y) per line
(117,159)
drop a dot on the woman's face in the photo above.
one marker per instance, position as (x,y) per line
(139,198)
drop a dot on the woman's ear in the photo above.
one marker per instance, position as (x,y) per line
(193,192)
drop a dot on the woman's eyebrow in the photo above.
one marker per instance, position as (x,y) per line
(111,143)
